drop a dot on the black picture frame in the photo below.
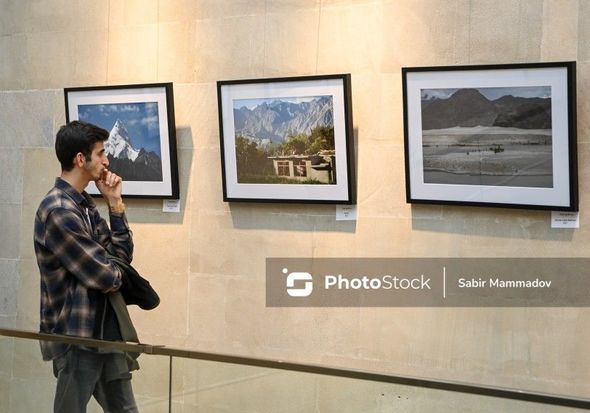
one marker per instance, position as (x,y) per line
(304,155)
(501,135)
(144,157)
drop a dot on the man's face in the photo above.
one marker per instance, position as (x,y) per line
(98,162)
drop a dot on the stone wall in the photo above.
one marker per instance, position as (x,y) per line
(208,262)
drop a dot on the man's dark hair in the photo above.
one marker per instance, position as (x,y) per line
(77,136)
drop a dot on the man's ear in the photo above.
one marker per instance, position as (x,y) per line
(79,159)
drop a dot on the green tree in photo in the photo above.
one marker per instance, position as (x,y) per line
(255,166)
(296,144)
(250,160)
(320,139)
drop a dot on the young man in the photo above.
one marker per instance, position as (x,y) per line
(71,244)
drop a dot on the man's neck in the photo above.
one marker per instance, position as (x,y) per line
(78,182)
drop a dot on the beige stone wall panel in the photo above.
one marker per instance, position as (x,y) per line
(9,277)
(349,39)
(11,176)
(13,12)
(206,317)
(63,15)
(178,11)
(291,43)
(377,108)
(28,297)
(132,54)
(368,237)
(583,107)
(12,69)
(10,230)
(4,392)
(27,118)
(176,52)
(37,182)
(125,13)
(583,31)
(207,193)
(49,59)
(249,388)
(367,102)
(90,63)
(424,33)
(386,196)
(208,262)
(290,6)
(307,335)
(229,48)
(215,9)
(160,257)
(197,123)
(28,363)
(238,243)
(505,31)
(560,29)
(32,394)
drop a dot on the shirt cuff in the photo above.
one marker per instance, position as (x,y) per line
(118,222)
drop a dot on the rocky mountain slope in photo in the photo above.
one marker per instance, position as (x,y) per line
(469,108)
(130,163)
(275,121)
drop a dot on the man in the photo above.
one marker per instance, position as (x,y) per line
(71,244)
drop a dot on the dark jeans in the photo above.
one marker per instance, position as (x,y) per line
(81,374)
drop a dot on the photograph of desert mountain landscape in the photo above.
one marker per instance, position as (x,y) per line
(499,136)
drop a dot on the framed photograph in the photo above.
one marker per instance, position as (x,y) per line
(493,135)
(142,144)
(287,139)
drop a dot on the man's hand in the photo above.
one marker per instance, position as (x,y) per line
(110,186)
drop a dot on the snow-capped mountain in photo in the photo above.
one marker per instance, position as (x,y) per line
(130,163)
(118,145)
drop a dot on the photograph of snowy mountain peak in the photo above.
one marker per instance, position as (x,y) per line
(133,147)
(498,136)
(285,140)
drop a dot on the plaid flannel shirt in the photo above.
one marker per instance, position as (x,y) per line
(71,241)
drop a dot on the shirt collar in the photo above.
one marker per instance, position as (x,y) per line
(82,199)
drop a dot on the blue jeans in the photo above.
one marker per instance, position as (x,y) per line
(81,374)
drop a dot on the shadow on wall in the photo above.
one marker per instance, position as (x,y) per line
(497,222)
(185,159)
(288,217)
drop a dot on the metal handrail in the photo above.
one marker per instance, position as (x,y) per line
(436,384)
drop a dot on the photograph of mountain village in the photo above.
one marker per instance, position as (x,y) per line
(133,147)
(286,140)
(487,136)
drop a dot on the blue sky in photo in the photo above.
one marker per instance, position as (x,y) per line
(493,93)
(140,119)
(252,103)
